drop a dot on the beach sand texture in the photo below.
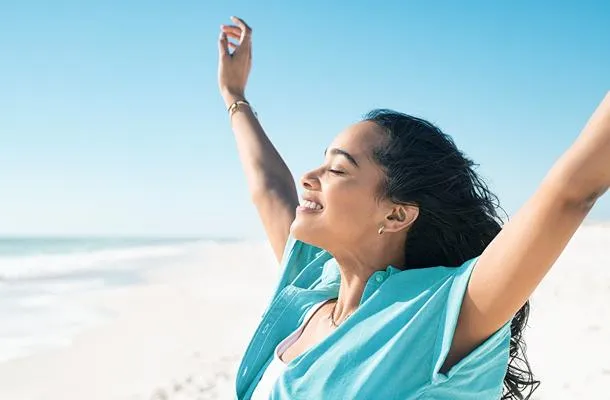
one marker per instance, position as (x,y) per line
(180,334)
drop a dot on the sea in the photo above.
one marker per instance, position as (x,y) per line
(43,278)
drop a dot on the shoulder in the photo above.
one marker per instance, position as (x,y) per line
(440,279)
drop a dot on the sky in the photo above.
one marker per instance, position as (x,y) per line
(111,122)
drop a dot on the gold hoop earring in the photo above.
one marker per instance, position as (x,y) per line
(380,231)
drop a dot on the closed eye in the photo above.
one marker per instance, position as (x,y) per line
(336,172)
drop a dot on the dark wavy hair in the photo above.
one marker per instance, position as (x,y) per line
(457,213)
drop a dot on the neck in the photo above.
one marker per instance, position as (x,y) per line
(356,270)
(347,301)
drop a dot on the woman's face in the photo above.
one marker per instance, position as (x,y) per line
(345,185)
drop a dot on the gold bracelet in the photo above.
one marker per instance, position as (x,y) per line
(233,108)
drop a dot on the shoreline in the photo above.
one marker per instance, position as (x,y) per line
(171,336)
(180,333)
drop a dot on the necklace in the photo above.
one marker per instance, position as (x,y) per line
(332,316)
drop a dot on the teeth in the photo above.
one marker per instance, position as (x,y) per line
(311,205)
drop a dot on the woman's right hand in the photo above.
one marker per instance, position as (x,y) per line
(234,68)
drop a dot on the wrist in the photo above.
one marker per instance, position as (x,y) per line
(232,97)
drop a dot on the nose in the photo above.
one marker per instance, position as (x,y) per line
(310,181)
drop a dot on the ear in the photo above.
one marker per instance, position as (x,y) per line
(401,217)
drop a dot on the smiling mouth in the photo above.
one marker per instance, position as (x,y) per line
(306,210)
(310,205)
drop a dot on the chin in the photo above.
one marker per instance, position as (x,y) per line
(307,233)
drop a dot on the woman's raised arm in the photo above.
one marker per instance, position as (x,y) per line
(270,182)
(516,261)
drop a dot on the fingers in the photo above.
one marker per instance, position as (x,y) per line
(231,30)
(241,32)
(246,34)
(246,31)
(223,42)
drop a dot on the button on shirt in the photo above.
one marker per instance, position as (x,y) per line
(392,347)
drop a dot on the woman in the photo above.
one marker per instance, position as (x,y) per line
(398,281)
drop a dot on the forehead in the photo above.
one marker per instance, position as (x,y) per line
(359,139)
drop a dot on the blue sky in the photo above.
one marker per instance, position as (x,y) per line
(112,124)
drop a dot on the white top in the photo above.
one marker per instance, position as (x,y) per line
(277,366)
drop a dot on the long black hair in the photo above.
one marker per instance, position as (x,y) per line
(457,213)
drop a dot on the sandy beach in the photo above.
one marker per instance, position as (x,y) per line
(179,332)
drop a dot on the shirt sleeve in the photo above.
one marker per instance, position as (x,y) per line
(482,370)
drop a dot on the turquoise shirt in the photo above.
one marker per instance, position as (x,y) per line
(391,347)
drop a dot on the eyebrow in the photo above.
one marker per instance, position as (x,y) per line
(335,151)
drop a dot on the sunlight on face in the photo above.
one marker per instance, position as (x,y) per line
(345,186)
